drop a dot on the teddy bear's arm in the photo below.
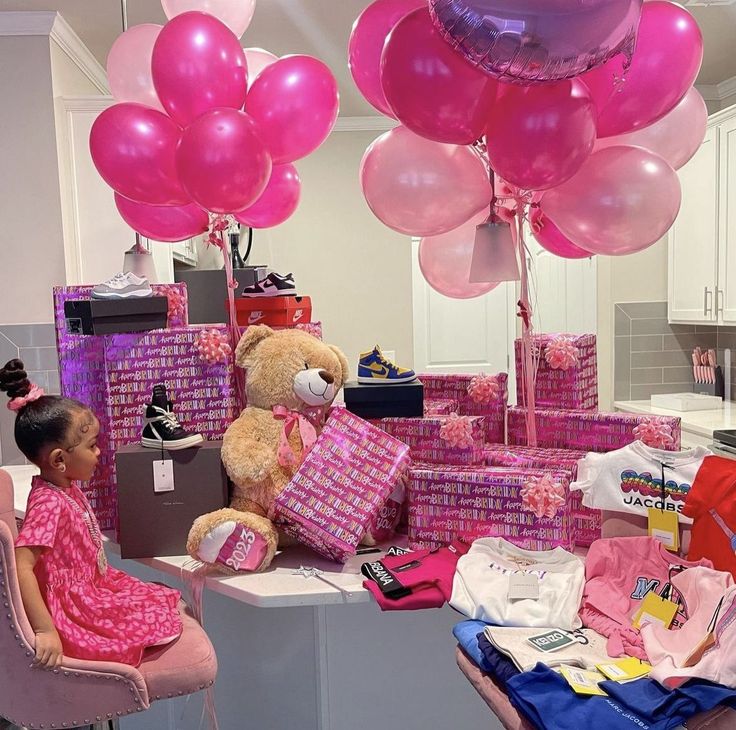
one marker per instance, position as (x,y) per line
(249,448)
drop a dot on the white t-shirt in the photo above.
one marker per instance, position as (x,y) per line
(482,583)
(630,479)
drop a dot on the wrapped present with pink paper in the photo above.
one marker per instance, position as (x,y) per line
(588,525)
(440,406)
(341,486)
(533,457)
(594,431)
(530,507)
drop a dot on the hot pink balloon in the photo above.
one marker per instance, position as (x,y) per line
(163,222)
(366,43)
(222,161)
(622,200)
(676,137)
(257,59)
(295,102)
(669,51)
(445,261)
(431,89)
(539,136)
(549,237)
(235,14)
(277,202)
(422,188)
(133,148)
(129,66)
(198,65)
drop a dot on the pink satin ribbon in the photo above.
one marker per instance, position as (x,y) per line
(307,431)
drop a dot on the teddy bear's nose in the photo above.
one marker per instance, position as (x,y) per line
(329,379)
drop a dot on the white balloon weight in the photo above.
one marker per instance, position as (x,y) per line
(258,59)
(235,14)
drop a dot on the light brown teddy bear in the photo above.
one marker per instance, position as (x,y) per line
(289,370)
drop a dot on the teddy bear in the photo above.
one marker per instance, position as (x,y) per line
(292,377)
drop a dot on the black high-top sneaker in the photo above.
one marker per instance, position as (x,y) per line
(162,429)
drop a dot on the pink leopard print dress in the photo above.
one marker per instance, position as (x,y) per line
(104,617)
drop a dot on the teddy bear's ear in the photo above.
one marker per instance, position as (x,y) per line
(343,362)
(253,335)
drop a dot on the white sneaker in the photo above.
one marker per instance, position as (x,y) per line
(123,286)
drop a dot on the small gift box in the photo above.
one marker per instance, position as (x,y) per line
(341,486)
(440,407)
(567,372)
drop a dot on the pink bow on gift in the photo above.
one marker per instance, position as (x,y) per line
(543,496)
(561,354)
(484,388)
(213,346)
(654,433)
(457,431)
(177,304)
(307,431)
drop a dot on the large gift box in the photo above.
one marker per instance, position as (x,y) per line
(341,485)
(530,507)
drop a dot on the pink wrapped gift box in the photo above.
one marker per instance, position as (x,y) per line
(588,525)
(439,406)
(447,503)
(594,431)
(425,438)
(561,383)
(341,486)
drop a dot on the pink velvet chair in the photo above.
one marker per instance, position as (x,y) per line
(83,693)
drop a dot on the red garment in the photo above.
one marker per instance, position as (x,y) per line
(711,503)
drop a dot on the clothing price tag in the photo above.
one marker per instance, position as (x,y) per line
(163,475)
(665,527)
(625,670)
(551,640)
(655,610)
(583,681)
(523,585)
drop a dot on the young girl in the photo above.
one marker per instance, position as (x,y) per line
(76,604)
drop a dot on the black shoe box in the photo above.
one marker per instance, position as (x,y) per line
(113,316)
(385,401)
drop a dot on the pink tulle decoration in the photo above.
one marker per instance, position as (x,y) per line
(561,354)
(543,496)
(213,347)
(484,388)
(177,304)
(654,433)
(457,431)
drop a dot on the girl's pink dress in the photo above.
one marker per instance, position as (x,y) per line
(105,617)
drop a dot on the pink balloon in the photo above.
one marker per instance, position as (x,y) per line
(366,43)
(669,51)
(549,237)
(129,66)
(539,136)
(445,261)
(422,188)
(277,202)
(235,14)
(133,148)
(198,65)
(295,102)
(257,59)
(676,137)
(431,89)
(222,161)
(622,200)
(163,222)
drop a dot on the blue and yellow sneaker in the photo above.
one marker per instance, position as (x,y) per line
(373,367)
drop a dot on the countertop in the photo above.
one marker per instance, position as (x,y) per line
(701,423)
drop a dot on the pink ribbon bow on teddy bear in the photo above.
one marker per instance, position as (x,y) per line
(307,432)
(561,354)
(457,431)
(484,388)
(654,433)
(543,496)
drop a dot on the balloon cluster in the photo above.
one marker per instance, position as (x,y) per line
(204,126)
(583,110)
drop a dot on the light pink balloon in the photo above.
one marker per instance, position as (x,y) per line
(163,222)
(431,89)
(197,65)
(676,137)
(277,202)
(366,44)
(622,200)
(133,148)
(258,59)
(539,136)
(422,188)
(550,238)
(235,14)
(129,66)
(222,161)
(295,102)
(445,261)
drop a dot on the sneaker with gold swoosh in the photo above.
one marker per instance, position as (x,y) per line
(374,367)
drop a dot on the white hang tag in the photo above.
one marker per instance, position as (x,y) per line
(163,475)
(523,585)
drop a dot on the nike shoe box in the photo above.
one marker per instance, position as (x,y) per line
(285,311)
(207,290)
(157,503)
(385,401)
(114,316)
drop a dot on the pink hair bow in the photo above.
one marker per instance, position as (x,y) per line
(307,432)
(457,431)
(543,496)
(22,401)
(484,388)
(213,346)
(561,354)
(654,433)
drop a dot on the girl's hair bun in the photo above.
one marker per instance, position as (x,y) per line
(14,379)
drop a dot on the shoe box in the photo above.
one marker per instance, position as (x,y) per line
(157,523)
(385,401)
(284,311)
(113,316)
